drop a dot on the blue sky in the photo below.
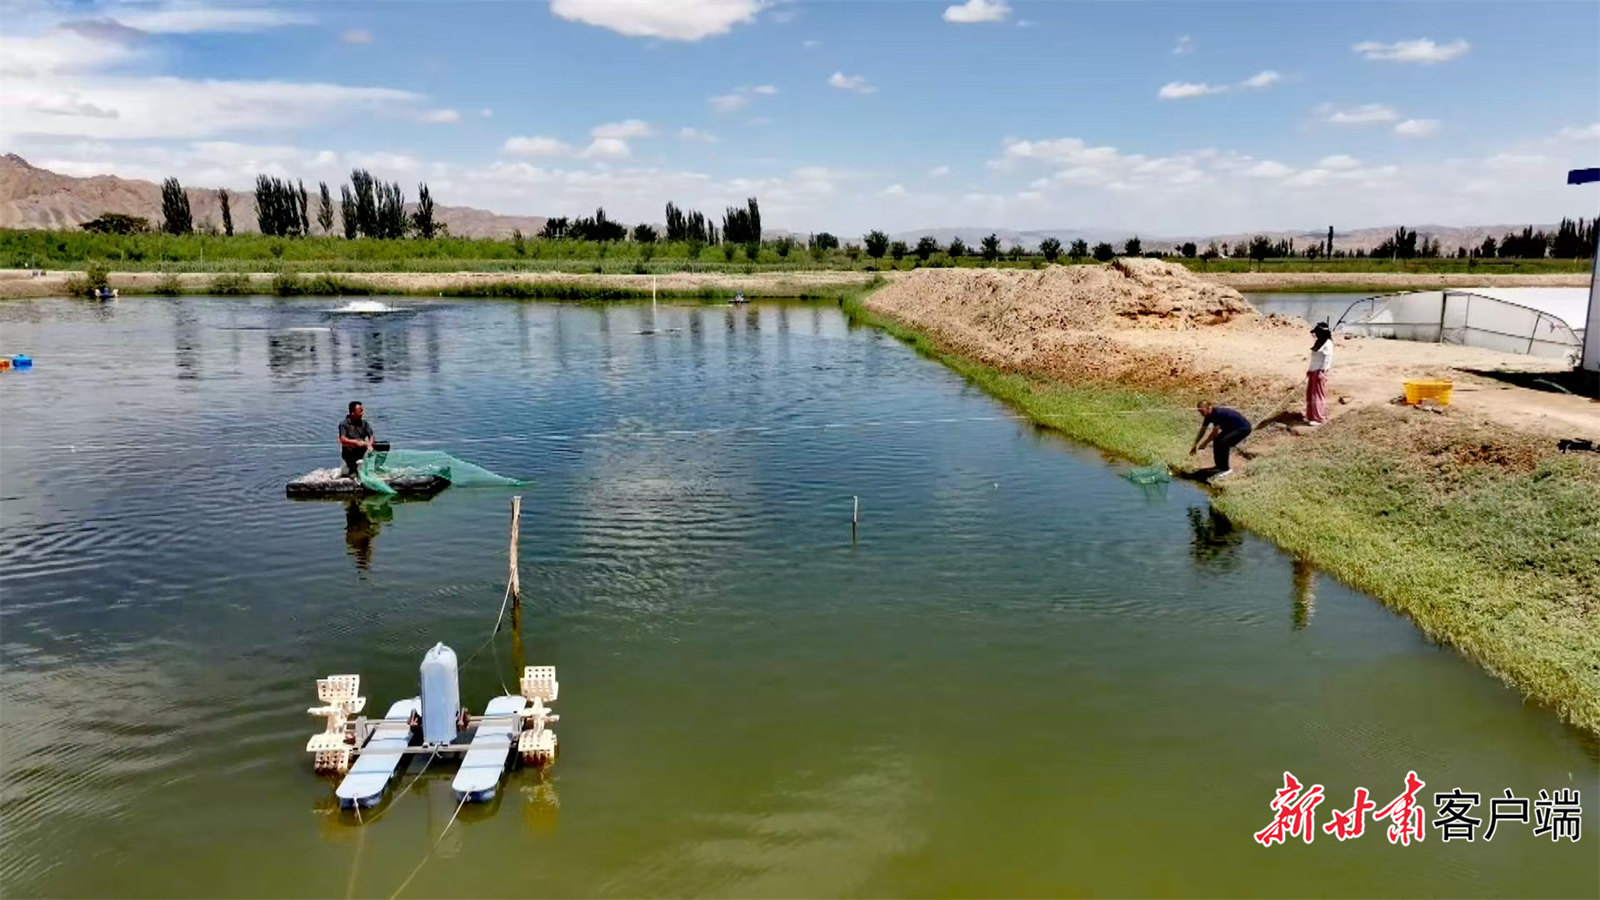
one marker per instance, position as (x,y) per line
(1168,118)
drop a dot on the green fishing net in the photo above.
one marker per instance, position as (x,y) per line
(1148,475)
(378,467)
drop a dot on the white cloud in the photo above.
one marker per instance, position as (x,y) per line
(439,117)
(975,11)
(1180,90)
(1338,161)
(1417,127)
(1185,45)
(810,45)
(696,135)
(176,108)
(1421,50)
(632,128)
(1264,78)
(1583,133)
(672,20)
(1366,114)
(857,83)
(65,79)
(893,190)
(739,98)
(356,37)
(194,18)
(486,112)
(938,171)
(607,148)
(536,146)
(1269,169)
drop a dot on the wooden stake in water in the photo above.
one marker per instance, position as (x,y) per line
(855,514)
(516,528)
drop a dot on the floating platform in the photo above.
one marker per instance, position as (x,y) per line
(329,483)
(513,729)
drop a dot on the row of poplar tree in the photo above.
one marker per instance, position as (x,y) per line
(367,208)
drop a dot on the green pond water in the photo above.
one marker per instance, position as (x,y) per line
(1023,675)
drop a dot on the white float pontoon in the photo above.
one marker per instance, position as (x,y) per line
(368,753)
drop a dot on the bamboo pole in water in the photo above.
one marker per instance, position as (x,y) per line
(516,527)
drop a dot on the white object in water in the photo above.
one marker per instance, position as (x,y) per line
(365,308)
(441,695)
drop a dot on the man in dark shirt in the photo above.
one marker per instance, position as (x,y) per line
(355,439)
(1228,428)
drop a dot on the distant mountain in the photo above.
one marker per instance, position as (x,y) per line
(31,197)
(1449,237)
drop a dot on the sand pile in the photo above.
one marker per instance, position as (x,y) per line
(1064,321)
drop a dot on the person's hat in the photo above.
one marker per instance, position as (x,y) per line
(1321,328)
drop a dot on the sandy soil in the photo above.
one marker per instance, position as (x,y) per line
(1150,324)
(17,283)
(1288,281)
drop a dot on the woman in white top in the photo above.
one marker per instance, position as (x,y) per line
(1317,374)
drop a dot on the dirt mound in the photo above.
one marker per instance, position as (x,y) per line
(1065,321)
(1142,292)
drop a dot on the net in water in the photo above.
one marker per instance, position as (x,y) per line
(378,467)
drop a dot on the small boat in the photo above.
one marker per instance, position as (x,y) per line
(105,293)
(330,483)
(738,299)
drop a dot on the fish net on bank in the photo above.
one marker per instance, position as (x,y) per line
(380,466)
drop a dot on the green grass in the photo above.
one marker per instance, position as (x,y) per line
(1372,265)
(291,284)
(31,249)
(1485,540)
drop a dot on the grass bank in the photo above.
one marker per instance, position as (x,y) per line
(1484,538)
(573,288)
(251,253)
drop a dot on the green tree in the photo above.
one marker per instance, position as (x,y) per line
(227,211)
(783,246)
(349,212)
(1079,249)
(1051,249)
(324,208)
(116,223)
(422,218)
(1488,248)
(926,247)
(518,245)
(822,240)
(741,226)
(1104,252)
(752,250)
(1189,249)
(728,250)
(1015,253)
(1132,247)
(957,249)
(304,225)
(991,248)
(175,215)
(898,250)
(644,234)
(877,243)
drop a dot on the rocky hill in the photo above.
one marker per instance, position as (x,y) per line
(31,197)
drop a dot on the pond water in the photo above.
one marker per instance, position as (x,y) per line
(1023,675)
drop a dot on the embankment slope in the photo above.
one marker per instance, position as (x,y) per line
(1468,521)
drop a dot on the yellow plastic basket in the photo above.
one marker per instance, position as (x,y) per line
(1418,392)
